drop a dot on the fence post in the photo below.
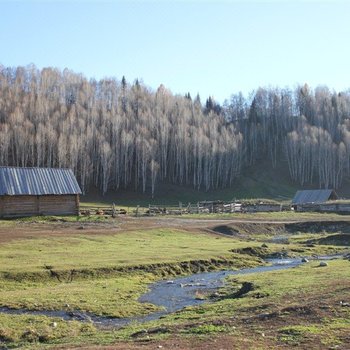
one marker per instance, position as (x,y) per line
(180,207)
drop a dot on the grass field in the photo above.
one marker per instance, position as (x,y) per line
(104,270)
(123,249)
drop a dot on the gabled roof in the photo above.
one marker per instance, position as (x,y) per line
(37,181)
(313,196)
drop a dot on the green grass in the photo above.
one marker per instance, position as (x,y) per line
(115,296)
(116,269)
(303,279)
(25,330)
(100,284)
(326,331)
(110,295)
(90,270)
(51,220)
(122,249)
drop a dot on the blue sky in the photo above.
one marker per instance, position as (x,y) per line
(210,47)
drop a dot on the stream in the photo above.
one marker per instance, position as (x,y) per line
(172,295)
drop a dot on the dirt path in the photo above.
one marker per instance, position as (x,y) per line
(223,342)
(27,230)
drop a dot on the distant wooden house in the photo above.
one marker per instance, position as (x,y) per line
(38,191)
(310,200)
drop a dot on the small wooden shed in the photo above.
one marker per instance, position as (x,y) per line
(38,191)
(314,196)
(310,200)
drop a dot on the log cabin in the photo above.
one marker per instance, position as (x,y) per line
(38,191)
(310,200)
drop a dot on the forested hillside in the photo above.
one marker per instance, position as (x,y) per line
(116,134)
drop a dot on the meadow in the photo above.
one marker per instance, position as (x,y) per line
(105,267)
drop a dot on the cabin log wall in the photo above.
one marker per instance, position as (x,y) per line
(12,206)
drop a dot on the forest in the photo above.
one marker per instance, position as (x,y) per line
(116,134)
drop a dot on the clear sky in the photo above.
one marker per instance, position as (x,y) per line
(210,47)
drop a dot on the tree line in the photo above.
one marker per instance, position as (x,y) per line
(310,129)
(115,134)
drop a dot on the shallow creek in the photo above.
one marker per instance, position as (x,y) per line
(172,295)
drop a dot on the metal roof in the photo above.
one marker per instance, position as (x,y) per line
(313,196)
(37,181)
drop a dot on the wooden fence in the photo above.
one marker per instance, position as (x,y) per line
(194,208)
(204,207)
(209,207)
(103,210)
